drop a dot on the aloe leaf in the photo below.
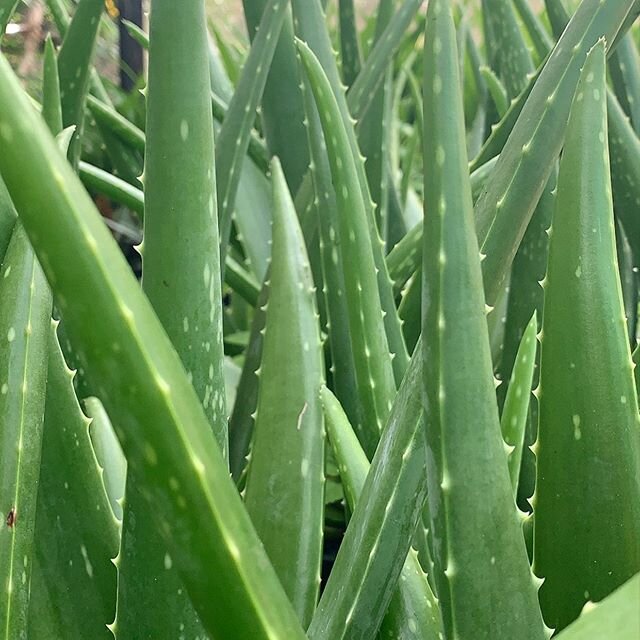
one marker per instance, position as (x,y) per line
(109,185)
(308,17)
(628,281)
(74,66)
(107,116)
(588,417)
(374,373)
(497,90)
(284,489)
(181,277)
(108,453)
(349,43)
(538,34)
(624,68)
(406,257)
(410,310)
(72,549)
(485,591)
(413,610)
(51,105)
(24,329)
(8,218)
(511,56)
(282,108)
(513,421)
(181,267)
(159,418)
(241,422)
(525,164)
(617,617)
(371,76)
(377,540)
(232,142)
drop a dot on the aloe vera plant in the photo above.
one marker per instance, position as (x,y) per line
(315,402)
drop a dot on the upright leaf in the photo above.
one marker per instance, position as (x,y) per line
(413,610)
(77,535)
(589,432)
(74,67)
(25,315)
(285,483)
(486,590)
(374,373)
(378,538)
(181,277)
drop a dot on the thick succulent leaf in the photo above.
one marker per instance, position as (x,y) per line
(310,27)
(413,610)
(110,185)
(589,423)
(349,44)
(108,454)
(281,107)
(503,211)
(74,552)
(485,591)
(371,76)
(284,489)
(25,317)
(74,67)
(181,278)
(377,540)
(107,116)
(497,91)
(343,375)
(513,421)
(158,416)
(624,67)
(374,372)
(51,104)
(617,617)
(536,30)
(233,140)
(241,421)
(511,57)
(7,219)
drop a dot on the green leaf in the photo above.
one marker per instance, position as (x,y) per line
(413,610)
(108,454)
(617,617)
(234,136)
(51,105)
(513,421)
(349,43)
(377,540)
(181,278)
(25,317)
(372,360)
(74,67)
(487,590)
(282,107)
(77,535)
(588,432)
(497,91)
(158,416)
(284,489)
